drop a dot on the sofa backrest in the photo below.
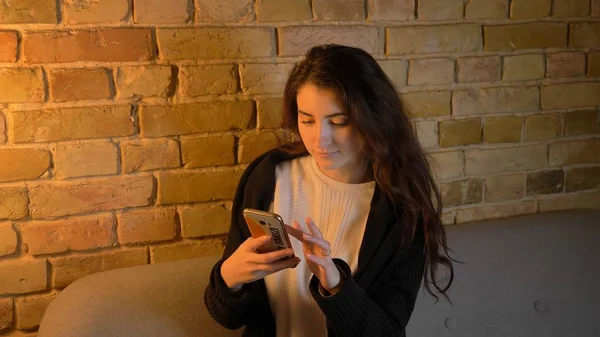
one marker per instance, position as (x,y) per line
(534,275)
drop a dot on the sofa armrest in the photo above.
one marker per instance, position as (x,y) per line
(163,299)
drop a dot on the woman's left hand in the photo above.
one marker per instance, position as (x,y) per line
(317,252)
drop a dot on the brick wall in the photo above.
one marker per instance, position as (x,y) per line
(125,124)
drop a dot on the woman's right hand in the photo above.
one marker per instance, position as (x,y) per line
(247,265)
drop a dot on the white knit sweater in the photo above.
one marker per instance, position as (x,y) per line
(340,211)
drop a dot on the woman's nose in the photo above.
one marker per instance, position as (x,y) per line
(324,137)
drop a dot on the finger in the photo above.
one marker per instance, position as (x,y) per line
(273,256)
(321,243)
(312,227)
(252,244)
(295,231)
(280,265)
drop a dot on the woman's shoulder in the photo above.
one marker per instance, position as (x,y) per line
(266,164)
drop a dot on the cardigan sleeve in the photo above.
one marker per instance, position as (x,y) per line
(383,312)
(229,308)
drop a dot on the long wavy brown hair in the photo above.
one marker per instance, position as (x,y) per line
(396,159)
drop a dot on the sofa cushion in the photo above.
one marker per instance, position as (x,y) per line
(534,275)
(163,299)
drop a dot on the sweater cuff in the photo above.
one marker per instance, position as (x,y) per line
(225,297)
(315,284)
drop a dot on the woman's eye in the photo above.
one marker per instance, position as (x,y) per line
(307,122)
(339,123)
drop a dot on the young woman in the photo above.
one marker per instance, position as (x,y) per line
(359,187)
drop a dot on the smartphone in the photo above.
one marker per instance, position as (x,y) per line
(263,223)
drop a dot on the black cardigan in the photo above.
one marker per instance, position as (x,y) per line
(377,301)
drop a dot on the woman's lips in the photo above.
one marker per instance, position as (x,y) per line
(326,154)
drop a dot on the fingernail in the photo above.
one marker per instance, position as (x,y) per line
(306,237)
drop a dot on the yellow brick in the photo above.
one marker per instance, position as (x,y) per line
(153,81)
(270,113)
(208,80)
(575,152)
(460,132)
(264,78)
(80,84)
(391,9)
(197,187)
(479,69)
(427,134)
(275,10)
(584,35)
(463,192)
(70,268)
(571,8)
(433,39)
(149,154)
(84,159)
(71,123)
(595,8)
(582,179)
(160,11)
(8,239)
(504,160)
(504,187)
(202,220)
(147,225)
(431,71)
(502,129)
(58,198)
(427,103)
(13,201)
(2,129)
(528,9)
(523,67)
(28,11)
(105,11)
(253,145)
(21,85)
(23,276)
(396,70)
(31,309)
(593,65)
(186,250)
(581,122)
(339,10)
(238,11)
(297,40)
(181,119)
(215,43)
(525,36)
(570,95)
(494,100)
(441,9)
(447,165)
(545,182)
(23,163)
(565,64)
(542,127)
(72,234)
(208,151)
(6,313)
(486,9)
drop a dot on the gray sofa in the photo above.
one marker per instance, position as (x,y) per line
(534,275)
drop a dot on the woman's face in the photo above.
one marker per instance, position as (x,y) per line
(326,133)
